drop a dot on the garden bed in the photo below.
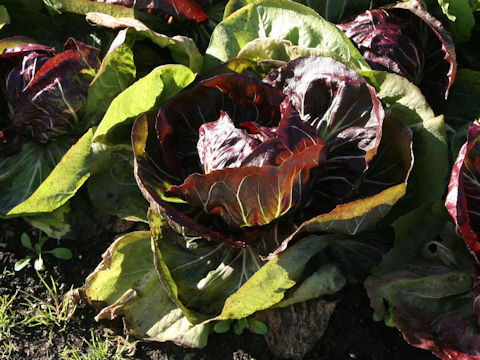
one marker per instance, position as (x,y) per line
(351,334)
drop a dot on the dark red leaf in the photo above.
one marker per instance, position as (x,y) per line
(180,9)
(344,111)
(154,183)
(254,196)
(222,145)
(53,101)
(405,39)
(463,199)
(243,98)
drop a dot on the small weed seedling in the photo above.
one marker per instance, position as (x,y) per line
(54,313)
(8,324)
(99,349)
(37,250)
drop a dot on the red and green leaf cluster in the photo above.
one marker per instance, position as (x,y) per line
(252,162)
(45,92)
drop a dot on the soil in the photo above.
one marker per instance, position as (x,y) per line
(351,333)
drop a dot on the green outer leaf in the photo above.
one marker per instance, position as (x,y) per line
(145,94)
(56,224)
(116,73)
(281,19)
(355,216)
(325,281)
(268,285)
(234,5)
(4,17)
(22,174)
(113,190)
(429,175)
(475,5)
(86,6)
(126,284)
(183,48)
(237,288)
(461,18)
(423,285)
(423,223)
(284,50)
(62,183)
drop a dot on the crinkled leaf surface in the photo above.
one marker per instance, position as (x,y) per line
(243,98)
(183,49)
(345,112)
(424,285)
(462,201)
(43,177)
(143,95)
(331,10)
(285,50)
(405,39)
(125,284)
(281,19)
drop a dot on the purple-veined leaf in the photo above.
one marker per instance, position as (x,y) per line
(243,98)
(462,201)
(254,196)
(154,182)
(53,101)
(407,40)
(345,112)
(221,145)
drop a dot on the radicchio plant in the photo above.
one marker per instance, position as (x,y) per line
(179,9)
(428,284)
(463,200)
(407,40)
(45,92)
(258,162)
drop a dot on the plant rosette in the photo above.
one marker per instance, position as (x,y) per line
(249,181)
(407,40)
(427,285)
(45,96)
(239,172)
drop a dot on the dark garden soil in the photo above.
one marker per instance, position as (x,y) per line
(352,334)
